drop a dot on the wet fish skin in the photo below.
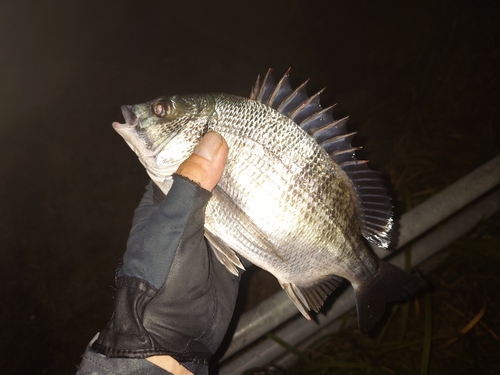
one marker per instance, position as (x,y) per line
(283,202)
(299,181)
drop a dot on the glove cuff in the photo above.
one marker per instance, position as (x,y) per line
(125,335)
(96,363)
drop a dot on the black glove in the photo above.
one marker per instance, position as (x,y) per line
(173,296)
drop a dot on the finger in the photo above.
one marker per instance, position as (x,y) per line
(207,163)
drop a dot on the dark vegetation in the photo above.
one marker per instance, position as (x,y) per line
(419,80)
(451,329)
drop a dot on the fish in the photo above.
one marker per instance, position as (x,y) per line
(293,198)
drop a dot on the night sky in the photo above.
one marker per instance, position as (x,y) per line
(69,183)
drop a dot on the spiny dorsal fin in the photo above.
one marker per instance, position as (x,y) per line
(281,91)
(375,205)
(266,89)
(255,89)
(307,108)
(293,100)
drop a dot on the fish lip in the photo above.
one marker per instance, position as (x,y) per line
(129,114)
(131,119)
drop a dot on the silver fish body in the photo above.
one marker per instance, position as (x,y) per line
(288,207)
(284,202)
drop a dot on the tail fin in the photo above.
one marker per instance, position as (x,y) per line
(389,284)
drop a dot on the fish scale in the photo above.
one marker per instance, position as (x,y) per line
(293,198)
(322,192)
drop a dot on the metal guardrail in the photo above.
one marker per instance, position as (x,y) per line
(420,250)
(277,309)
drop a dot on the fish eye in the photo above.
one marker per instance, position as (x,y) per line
(161,109)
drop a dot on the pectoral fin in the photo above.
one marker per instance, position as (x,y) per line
(224,253)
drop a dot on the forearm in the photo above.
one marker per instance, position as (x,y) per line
(169,364)
(97,364)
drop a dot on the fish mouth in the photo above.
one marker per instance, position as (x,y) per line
(131,119)
(130,131)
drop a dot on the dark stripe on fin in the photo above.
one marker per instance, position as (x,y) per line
(331,135)
(346,155)
(312,297)
(335,130)
(294,100)
(307,108)
(388,285)
(318,120)
(266,89)
(255,89)
(336,143)
(281,91)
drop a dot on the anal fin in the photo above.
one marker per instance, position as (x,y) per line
(311,297)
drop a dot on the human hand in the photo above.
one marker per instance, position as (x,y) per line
(174,299)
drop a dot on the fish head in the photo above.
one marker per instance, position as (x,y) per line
(164,132)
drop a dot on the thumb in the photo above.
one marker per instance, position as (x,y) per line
(206,164)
